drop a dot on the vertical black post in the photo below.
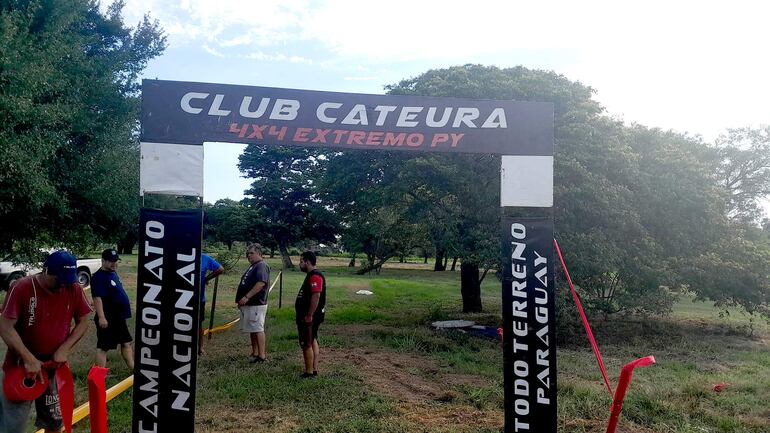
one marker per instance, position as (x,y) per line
(167,326)
(529,325)
(280,288)
(213,304)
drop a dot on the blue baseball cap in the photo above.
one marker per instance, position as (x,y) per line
(63,265)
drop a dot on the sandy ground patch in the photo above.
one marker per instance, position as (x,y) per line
(225,419)
(423,394)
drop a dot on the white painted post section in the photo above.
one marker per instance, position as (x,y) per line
(526,181)
(174,169)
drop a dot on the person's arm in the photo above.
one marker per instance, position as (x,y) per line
(31,364)
(99,307)
(213,275)
(77,333)
(251,293)
(314,299)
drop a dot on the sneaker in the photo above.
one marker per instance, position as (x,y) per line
(306,375)
(315,373)
(256,360)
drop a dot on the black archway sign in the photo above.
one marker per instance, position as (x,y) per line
(178,117)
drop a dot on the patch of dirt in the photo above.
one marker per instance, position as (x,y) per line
(467,418)
(225,419)
(460,379)
(394,367)
(427,401)
(391,374)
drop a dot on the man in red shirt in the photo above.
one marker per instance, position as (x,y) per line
(36,324)
(310,310)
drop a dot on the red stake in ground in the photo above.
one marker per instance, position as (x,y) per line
(620,392)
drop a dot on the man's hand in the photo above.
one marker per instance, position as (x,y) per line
(243,301)
(308,320)
(60,356)
(103,322)
(33,366)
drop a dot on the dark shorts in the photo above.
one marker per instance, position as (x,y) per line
(307,333)
(114,334)
(14,415)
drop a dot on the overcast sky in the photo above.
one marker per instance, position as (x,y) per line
(693,66)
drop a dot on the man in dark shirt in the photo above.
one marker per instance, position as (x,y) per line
(310,309)
(251,298)
(113,308)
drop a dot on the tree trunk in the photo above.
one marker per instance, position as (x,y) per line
(371,266)
(352,263)
(425,262)
(126,245)
(287,264)
(229,245)
(454,263)
(440,264)
(470,287)
(272,252)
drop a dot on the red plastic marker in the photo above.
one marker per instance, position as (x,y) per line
(66,394)
(97,399)
(620,392)
(719,387)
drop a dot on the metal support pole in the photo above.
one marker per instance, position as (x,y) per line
(213,305)
(280,288)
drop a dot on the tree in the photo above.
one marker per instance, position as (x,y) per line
(287,210)
(633,206)
(635,202)
(739,278)
(68,121)
(228,221)
(744,170)
(381,235)
(474,179)
(359,188)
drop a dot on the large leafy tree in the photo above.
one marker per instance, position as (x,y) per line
(635,203)
(228,221)
(745,170)
(68,121)
(637,210)
(362,188)
(283,197)
(471,182)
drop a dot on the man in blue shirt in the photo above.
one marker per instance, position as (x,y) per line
(113,308)
(208,264)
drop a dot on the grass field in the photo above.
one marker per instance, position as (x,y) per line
(384,370)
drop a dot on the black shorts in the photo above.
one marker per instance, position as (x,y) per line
(114,334)
(308,333)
